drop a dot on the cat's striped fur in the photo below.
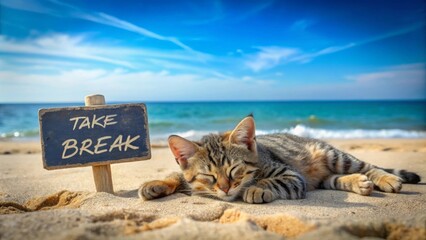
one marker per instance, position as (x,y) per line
(236,164)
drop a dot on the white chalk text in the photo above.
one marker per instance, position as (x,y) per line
(101,145)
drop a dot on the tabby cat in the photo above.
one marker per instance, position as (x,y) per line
(239,165)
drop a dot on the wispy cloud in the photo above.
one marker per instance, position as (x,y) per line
(109,20)
(407,81)
(78,47)
(58,45)
(270,57)
(401,74)
(397,32)
(54,53)
(60,9)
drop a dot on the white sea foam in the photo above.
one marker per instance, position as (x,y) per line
(305,131)
(194,135)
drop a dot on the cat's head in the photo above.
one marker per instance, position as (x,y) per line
(220,165)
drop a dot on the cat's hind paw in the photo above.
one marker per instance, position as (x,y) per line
(255,194)
(154,189)
(385,181)
(389,183)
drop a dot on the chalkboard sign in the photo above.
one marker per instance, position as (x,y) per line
(94,135)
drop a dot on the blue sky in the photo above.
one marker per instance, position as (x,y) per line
(60,51)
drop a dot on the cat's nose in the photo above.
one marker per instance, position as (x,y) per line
(225,189)
(224,186)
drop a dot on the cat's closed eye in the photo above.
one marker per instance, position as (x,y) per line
(232,172)
(207,178)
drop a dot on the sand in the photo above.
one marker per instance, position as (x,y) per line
(63,204)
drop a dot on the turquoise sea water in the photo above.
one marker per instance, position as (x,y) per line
(324,119)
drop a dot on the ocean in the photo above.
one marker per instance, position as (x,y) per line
(318,119)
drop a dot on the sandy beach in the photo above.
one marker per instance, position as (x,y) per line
(63,204)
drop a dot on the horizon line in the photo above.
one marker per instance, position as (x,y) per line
(230,101)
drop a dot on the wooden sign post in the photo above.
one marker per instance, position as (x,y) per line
(101,173)
(95,135)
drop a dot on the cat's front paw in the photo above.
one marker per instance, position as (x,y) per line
(255,194)
(362,185)
(154,189)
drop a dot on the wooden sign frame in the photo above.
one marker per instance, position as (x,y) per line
(43,112)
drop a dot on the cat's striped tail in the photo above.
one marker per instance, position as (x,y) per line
(407,177)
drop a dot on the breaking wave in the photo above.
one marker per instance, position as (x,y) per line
(304,131)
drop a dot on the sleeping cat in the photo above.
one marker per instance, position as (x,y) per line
(239,165)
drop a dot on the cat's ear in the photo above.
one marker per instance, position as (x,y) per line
(245,134)
(182,149)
